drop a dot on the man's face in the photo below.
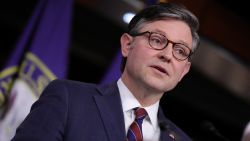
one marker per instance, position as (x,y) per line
(155,70)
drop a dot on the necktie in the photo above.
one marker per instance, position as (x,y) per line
(135,129)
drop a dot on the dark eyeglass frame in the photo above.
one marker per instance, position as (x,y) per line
(167,42)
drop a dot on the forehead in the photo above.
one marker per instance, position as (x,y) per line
(174,30)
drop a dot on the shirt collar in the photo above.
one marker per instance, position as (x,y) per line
(129,102)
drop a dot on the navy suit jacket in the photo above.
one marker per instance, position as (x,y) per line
(76,111)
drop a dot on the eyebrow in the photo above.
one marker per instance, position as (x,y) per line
(163,33)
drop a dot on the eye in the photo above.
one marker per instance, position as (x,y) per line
(157,40)
(181,50)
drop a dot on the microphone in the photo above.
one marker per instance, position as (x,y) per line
(209,127)
(163,126)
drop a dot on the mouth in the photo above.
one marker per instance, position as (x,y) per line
(160,69)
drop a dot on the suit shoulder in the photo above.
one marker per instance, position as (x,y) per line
(70,83)
(70,86)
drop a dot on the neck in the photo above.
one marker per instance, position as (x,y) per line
(145,95)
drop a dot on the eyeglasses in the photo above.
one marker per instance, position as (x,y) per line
(158,41)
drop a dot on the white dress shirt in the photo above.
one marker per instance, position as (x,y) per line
(150,127)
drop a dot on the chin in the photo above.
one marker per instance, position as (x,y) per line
(166,87)
(158,87)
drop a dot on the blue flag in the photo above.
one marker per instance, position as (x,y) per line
(113,72)
(39,57)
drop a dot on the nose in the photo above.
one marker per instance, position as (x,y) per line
(166,54)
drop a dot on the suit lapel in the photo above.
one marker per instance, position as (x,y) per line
(110,108)
(169,131)
(164,125)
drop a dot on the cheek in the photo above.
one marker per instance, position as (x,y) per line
(140,54)
(180,71)
(138,58)
(135,59)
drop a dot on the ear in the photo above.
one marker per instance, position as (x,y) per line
(125,41)
(186,70)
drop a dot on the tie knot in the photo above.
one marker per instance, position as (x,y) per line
(140,113)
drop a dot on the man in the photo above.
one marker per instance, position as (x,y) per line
(156,50)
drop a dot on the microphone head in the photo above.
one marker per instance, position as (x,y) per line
(209,127)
